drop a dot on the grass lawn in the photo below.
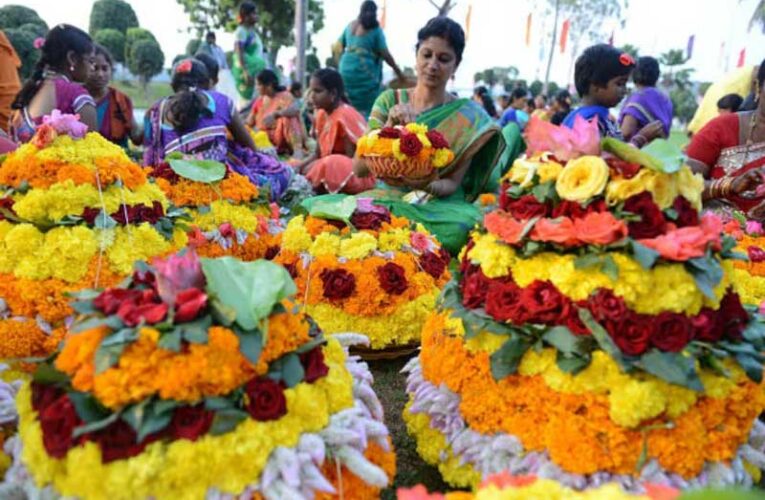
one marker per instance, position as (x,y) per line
(390,386)
(133,89)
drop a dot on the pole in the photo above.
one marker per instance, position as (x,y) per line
(301,18)
(552,48)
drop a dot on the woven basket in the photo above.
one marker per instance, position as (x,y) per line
(389,167)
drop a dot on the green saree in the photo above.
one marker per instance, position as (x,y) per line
(462,122)
(249,43)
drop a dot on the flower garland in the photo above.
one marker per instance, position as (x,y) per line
(183,192)
(543,418)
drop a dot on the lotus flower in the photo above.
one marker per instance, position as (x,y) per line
(66,124)
(563,142)
(177,273)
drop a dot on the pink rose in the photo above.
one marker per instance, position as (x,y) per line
(688,242)
(420,241)
(753,227)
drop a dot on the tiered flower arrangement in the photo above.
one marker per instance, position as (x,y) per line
(504,486)
(404,151)
(593,334)
(200,379)
(361,269)
(230,215)
(76,213)
(749,275)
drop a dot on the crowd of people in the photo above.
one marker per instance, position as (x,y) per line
(315,135)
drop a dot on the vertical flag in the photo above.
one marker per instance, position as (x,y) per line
(741,58)
(467,20)
(528,30)
(384,14)
(564,35)
(689,49)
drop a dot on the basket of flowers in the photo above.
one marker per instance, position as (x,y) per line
(411,151)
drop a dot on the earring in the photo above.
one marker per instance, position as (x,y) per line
(71,68)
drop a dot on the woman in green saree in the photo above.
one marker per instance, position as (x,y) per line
(249,59)
(443,205)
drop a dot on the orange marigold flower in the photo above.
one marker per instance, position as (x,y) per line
(235,187)
(21,339)
(353,487)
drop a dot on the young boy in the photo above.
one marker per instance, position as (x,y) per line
(600,75)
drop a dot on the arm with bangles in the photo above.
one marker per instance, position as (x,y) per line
(725,187)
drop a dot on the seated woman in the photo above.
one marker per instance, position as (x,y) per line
(275,112)
(647,104)
(66,58)
(195,121)
(730,153)
(114,109)
(473,136)
(338,128)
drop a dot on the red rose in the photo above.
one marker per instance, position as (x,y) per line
(89,215)
(474,287)
(118,441)
(437,140)
(410,144)
(44,395)
(265,399)
(227,230)
(190,422)
(686,214)
(392,278)
(465,264)
(146,307)
(672,332)
(7,203)
(631,334)
(112,298)
(369,220)
(544,303)
(651,223)
(573,322)
(314,365)
(574,210)
(706,326)
(432,264)
(503,302)
(188,304)
(756,254)
(525,207)
(389,133)
(271,252)
(145,278)
(292,270)
(164,171)
(338,283)
(624,168)
(732,316)
(605,306)
(58,422)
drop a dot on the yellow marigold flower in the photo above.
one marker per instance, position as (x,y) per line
(222,211)
(295,237)
(549,171)
(582,178)
(442,157)
(394,239)
(131,244)
(487,199)
(495,258)
(396,150)
(326,244)
(417,128)
(358,246)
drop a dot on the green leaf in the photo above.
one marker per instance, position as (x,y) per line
(95,426)
(207,171)
(573,364)
(123,336)
(165,405)
(195,331)
(647,257)
(104,221)
(46,373)
(505,361)
(87,324)
(602,337)
(602,262)
(223,314)
(671,213)
(87,407)
(562,339)
(662,157)
(227,420)
(672,367)
(107,356)
(218,403)
(334,210)
(544,192)
(153,422)
(83,307)
(170,341)
(251,288)
(609,268)
(707,273)
(752,367)
(250,344)
(667,153)
(292,370)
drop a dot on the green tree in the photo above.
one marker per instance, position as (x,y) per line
(671,59)
(312,63)
(193,46)
(275,25)
(497,75)
(113,14)
(631,50)
(684,103)
(536,87)
(114,41)
(758,16)
(23,42)
(145,60)
(135,35)
(16,16)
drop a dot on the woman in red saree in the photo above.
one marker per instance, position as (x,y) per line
(730,152)
(338,127)
(275,112)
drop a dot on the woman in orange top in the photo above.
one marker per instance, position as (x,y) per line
(9,79)
(338,127)
(276,113)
